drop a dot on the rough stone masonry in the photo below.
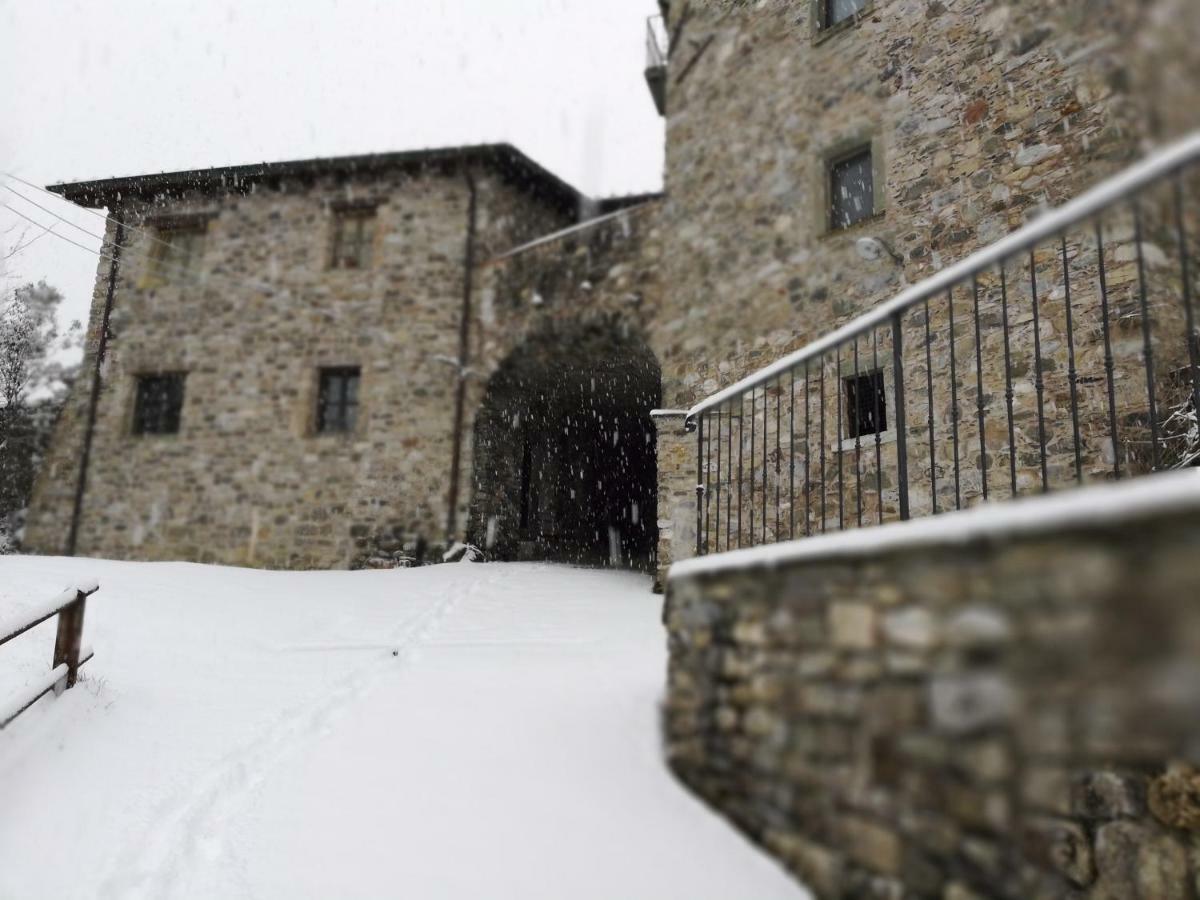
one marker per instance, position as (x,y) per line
(977,113)
(980,709)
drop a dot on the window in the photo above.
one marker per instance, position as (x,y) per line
(834,12)
(158,403)
(353,230)
(337,400)
(851,189)
(866,405)
(175,252)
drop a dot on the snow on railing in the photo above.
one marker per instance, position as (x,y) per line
(585,225)
(1075,357)
(69,654)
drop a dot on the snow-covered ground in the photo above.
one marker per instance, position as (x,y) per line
(467,731)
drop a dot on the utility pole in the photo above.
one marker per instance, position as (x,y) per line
(94,398)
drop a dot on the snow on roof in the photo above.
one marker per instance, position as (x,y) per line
(506,158)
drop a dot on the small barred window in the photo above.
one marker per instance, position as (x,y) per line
(337,400)
(851,190)
(866,407)
(158,403)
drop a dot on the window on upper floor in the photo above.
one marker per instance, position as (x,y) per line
(158,403)
(851,189)
(175,252)
(835,12)
(337,399)
(866,404)
(353,234)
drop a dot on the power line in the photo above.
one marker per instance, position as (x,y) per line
(91,212)
(32,240)
(49,230)
(157,261)
(148,234)
(29,243)
(55,233)
(51,212)
(176,283)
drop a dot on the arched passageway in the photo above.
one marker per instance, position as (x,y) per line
(564,457)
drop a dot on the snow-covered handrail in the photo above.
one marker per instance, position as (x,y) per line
(69,654)
(572,229)
(31,618)
(1082,207)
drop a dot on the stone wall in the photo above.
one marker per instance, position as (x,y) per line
(1006,392)
(575,314)
(1000,703)
(980,113)
(246,480)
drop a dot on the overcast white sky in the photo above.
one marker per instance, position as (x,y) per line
(94,89)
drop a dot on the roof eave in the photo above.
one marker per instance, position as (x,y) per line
(239,179)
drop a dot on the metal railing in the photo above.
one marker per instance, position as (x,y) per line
(1064,352)
(657,42)
(69,653)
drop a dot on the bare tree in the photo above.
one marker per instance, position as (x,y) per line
(33,383)
(17,239)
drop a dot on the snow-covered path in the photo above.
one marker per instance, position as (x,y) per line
(456,731)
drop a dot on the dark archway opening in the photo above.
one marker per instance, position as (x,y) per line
(564,462)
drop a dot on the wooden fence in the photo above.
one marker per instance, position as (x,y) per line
(69,653)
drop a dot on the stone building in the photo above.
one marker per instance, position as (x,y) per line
(974,116)
(280,379)
(947,712)
(352,361)
(378,355)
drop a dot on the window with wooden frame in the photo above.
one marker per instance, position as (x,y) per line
(158,403)
(175,251)
(353,235)
(337,399)
(851,188)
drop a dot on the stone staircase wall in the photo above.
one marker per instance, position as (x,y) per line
(1002,703)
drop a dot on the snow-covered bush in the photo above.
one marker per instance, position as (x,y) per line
(34,383)
(462,553)
(1181,436)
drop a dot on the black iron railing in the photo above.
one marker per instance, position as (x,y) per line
(1065,352)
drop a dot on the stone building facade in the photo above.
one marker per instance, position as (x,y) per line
(250,322)
(976,114)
